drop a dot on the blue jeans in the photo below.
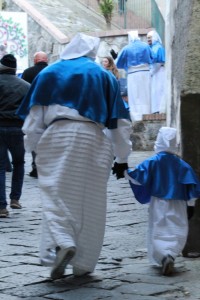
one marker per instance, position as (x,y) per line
(11,138)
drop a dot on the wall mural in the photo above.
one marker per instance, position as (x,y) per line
(13,37)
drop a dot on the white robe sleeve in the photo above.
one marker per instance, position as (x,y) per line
(120,138)
(33,128)
(155,68)
(130,178)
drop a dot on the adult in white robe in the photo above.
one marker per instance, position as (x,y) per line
(135,58)
(157,70)
(166,182)
(65,127)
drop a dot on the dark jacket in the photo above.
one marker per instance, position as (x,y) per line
(30,73)
(12,91)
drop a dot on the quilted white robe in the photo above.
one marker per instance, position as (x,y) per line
(139,92)
(74,159)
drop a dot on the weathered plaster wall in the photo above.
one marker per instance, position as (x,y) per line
(192,62)
(190,115)
(183,75)
(178,18)
(190,93)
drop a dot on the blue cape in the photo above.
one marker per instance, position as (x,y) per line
(158,53)
(80,84)
(135,53)
(165,176)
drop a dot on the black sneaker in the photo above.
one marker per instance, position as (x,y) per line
(4,213)
(33,173)
(80,272)
(8,169)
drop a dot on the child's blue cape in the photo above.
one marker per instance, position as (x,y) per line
(164,176)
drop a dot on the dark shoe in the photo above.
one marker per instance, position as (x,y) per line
(190,211)
(15,204)
(4,213)
(34,173)
(167,265)
(80,272)
(8,169)
(63,257)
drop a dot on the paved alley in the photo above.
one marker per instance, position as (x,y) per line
(123,271)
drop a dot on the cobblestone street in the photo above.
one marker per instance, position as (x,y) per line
(123,271)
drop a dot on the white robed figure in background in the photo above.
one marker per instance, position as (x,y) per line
(69,105)
(135,58)
(157,70)
(166,182)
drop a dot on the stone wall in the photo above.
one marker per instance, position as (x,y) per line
(144,132)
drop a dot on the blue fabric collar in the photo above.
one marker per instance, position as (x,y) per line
(80,84)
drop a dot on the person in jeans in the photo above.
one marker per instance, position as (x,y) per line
(12,91)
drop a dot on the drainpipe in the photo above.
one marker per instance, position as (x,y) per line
(125,14)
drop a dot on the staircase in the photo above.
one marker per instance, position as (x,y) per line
(68,16)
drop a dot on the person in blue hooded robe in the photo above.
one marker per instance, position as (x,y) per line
(70,105)
(135,58)
(157,70)
(166,182)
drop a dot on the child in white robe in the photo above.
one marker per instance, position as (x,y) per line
(166,182)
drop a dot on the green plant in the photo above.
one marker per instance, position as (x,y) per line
(106,8)
(3,5)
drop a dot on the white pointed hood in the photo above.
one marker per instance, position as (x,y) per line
(166,140)
(81,45)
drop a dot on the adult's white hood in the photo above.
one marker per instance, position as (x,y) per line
(155,36)
(133,36)
(81,45)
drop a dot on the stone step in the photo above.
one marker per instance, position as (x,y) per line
(70,16)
